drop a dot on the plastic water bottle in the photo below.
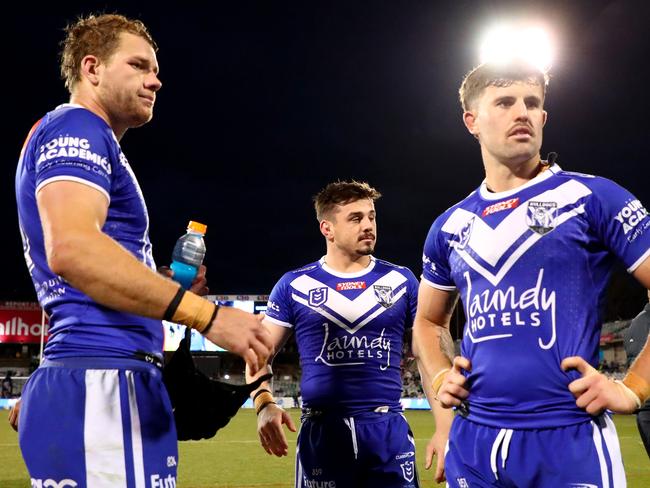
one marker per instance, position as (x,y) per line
(188,254)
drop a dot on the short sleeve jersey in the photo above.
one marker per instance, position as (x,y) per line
(349,330)
(531,266)
(73,144)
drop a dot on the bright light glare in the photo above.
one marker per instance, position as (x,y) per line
(506,43)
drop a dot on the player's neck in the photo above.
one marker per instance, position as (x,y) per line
(344,263)
(501,177)
(90,102)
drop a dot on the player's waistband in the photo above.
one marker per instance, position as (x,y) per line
(102,363)
(328,413)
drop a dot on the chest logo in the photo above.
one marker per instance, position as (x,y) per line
(541,216)
(384,295)
(317,296)
(461,239)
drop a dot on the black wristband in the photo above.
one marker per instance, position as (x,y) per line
(214,316)
(260,391)
(263,406)
(173,305)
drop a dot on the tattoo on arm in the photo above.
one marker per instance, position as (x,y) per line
(444,338)
(446,343)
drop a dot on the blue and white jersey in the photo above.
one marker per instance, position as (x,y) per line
(349,329)
(531,266)
(73,144)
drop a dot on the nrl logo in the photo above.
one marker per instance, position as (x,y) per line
(317,296)
(384,295)
(461,239)
(540,216)
(408,470)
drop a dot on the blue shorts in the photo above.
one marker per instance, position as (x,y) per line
(585,455)
(369,450)
(89,422)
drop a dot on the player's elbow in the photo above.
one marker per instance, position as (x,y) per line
(63,255)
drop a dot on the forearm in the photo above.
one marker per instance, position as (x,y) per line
(265,385)
(98,266)
(433,348)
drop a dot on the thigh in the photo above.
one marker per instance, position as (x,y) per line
(387,452)
(586,454)
(98,428)
(325,456)
(467,457)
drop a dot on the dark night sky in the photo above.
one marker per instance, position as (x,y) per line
(264,103)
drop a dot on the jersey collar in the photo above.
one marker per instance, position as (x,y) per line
(543,176)
(340,274)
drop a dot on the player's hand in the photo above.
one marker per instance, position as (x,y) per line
(13,416)
(436,447)
(595,392)
(454,389)
(242,333)
(269,428)
(199,284)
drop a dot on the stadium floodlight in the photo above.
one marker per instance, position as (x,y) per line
(528,43)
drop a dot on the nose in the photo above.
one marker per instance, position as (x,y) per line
(152,82)
(521,110)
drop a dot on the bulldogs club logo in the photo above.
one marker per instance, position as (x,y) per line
(541,216)
(317,296)
(384,295)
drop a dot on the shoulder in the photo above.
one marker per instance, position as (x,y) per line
(77,118)
(289,276)
(595,184)
(387,266)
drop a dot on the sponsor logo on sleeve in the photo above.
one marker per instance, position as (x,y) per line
(498,207)
(72,148)
(351,285)
(631,215)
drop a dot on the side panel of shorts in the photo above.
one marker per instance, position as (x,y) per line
(586,454)
(98,428)
(375,450)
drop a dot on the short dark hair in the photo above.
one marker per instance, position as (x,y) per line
(98,35)
(342,193)
(493,74)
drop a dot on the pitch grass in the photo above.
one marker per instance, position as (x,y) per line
(234,458)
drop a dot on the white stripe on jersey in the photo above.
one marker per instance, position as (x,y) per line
(136,434)
(350,310)
(103,436)
(492,244)
(76,180)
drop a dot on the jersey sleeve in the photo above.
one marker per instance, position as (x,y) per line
(76,146)
(279,309)
(412,287)
(621,221)
(435,262)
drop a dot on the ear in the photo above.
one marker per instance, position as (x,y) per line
(545,117)
(326,228)
(91,69)
(469,119)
